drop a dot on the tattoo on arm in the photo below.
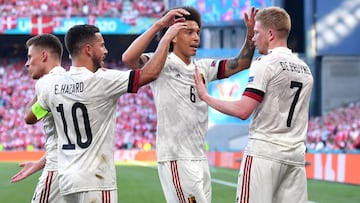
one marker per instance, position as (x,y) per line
(246,53)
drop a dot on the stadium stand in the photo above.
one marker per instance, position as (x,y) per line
(78,8)
(336,131)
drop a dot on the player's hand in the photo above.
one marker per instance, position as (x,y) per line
(249,20)
(199,84)
(172,17)
(174,30)
(28,168)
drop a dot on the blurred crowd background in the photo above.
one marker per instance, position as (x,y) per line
(79,8)
(323,33)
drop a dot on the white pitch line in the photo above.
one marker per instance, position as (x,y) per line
(222,182)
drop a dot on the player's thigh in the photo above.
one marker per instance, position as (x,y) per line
(104,196)
(255,180)
(185,179)
(293,187)
(47,189)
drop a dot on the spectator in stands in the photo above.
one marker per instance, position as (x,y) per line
(78,8)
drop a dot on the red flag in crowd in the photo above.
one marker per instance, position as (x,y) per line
(41,24)
(8,22)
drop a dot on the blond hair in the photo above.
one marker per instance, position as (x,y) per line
(275,18)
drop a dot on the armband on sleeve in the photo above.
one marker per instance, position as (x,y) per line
(38,111)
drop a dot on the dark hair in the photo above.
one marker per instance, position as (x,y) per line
(194,16)
(48,41)
(79,35)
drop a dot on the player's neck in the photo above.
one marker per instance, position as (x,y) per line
(185,59)
(79,62)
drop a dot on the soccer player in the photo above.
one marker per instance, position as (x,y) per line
(44,59)
(83,104)
(182,117)
(278,95)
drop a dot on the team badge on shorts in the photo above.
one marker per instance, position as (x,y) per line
(191,199)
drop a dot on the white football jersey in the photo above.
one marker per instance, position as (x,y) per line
(282,83)
(83,105)
(182,117)
(48,121)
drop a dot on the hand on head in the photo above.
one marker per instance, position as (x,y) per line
(174,29)
(173,16)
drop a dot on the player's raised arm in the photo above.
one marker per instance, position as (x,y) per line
(243,60)
(153,67)
(132,56)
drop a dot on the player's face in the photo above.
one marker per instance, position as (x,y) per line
(187,41)
(99,51)
(261,38)
(35,63)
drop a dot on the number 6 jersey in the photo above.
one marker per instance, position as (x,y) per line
(182,116)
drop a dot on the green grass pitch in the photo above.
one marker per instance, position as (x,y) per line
(140,183)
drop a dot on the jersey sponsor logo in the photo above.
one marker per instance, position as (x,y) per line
(251,79)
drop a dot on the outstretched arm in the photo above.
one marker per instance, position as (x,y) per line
(243,60)
(242,108)
(153,67)
(132,56)
(28,168)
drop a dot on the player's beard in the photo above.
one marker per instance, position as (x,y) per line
(98,63)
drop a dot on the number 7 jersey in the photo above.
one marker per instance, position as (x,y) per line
(282,83)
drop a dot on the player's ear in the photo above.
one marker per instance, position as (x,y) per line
(271,34)
(44,55)
(174,40)
(87,49)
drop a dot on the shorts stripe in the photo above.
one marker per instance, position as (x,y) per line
(245,193)
(45,193)
(176,181)
(105,196)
